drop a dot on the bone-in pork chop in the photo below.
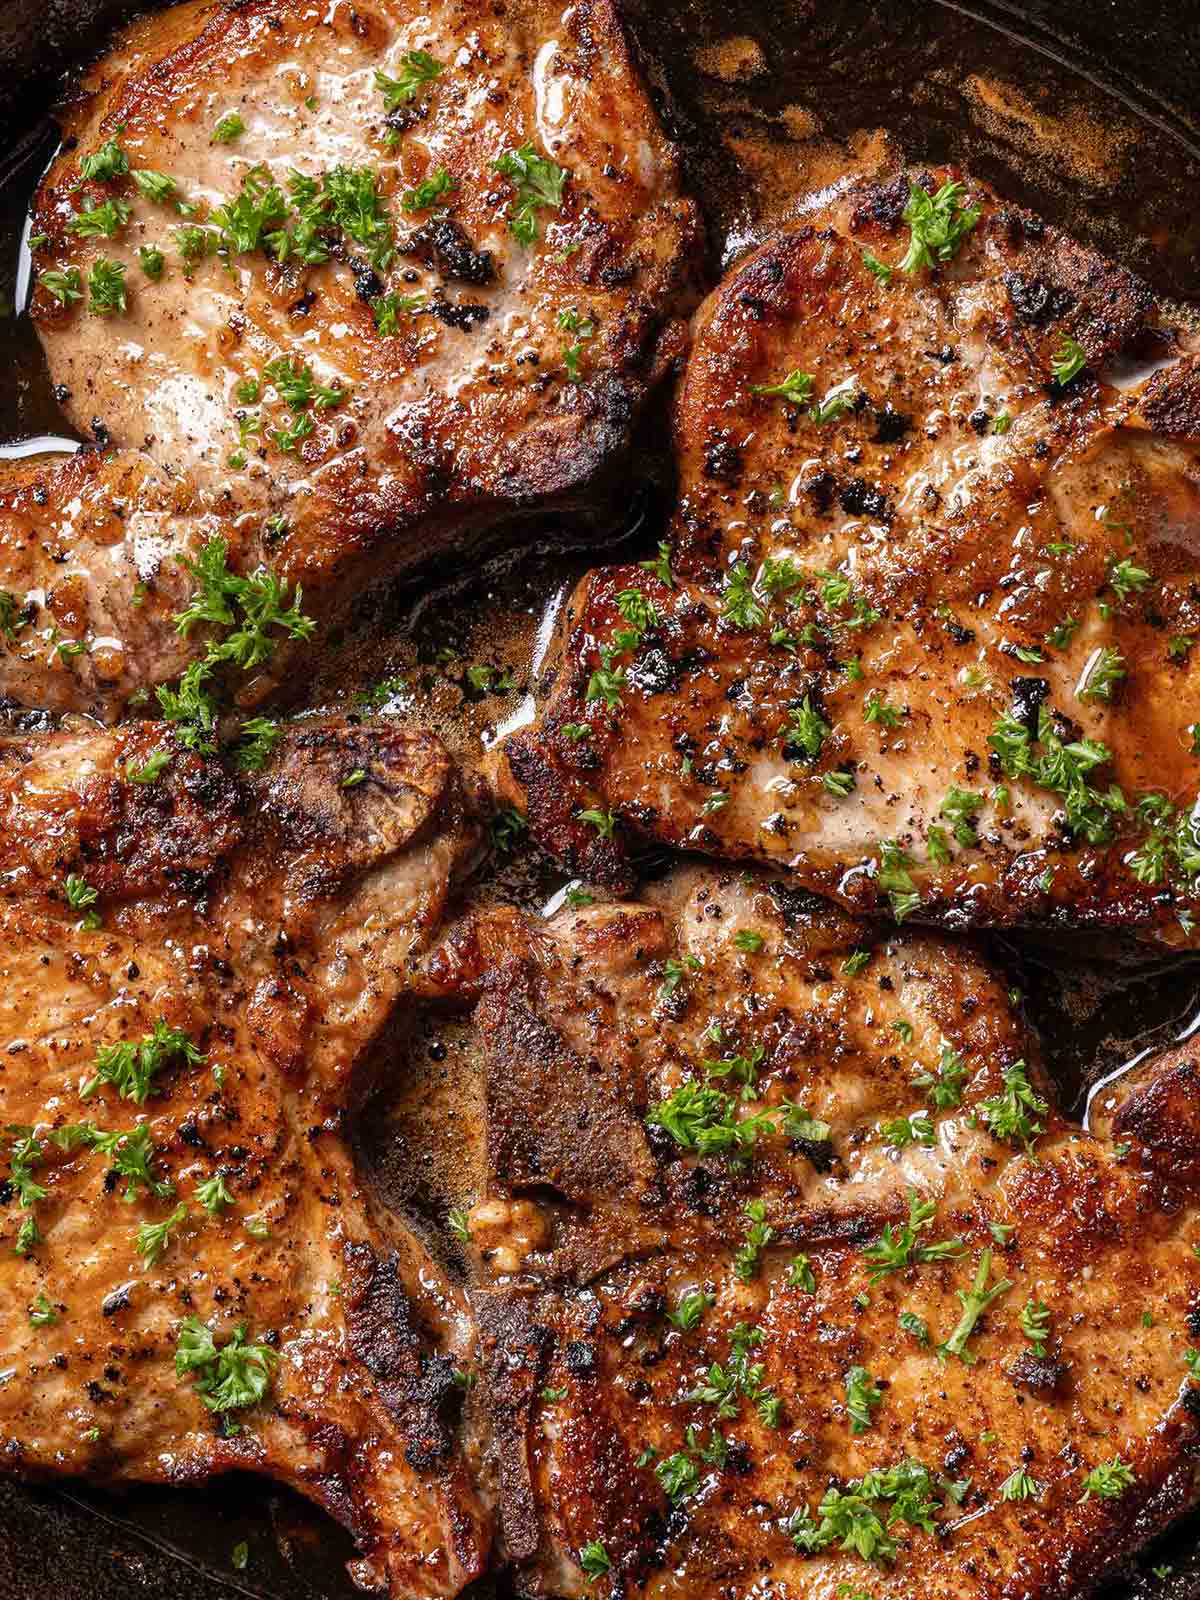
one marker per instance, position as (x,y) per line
(926,631)
(193,1280)
(795,1279)
(362,281)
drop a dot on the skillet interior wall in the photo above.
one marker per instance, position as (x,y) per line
(767,97)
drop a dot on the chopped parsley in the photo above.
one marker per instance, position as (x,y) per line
(1108,1481)
(796,388)
(975,1302)
(691,1307)
(41,1313)
(806,730)
(229,128)
(594,1561)
(604,822)
(105,163)
(958,808)
(1019,1486)
(1104,670)
(749,942)
(153,1238)
(387,309)
(1034,1323)
(1012,1115)
(64,286)
(155,186)
(261,598)
(539,185)
(862,1397)
(917,1326)
(228,1377)
(880,268)
(800,1274)
(660,565)
(103,221)
(1068,362)
(943,1088)
(758,1236)
(895,879)
(898,1248)
(903,1131)
(439,185)
(1064,768)
(213,1194)
(106,288)
(129,1068)
(152,261)
(417,67)
(938,224)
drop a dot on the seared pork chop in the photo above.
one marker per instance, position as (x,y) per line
(193,1280)
(926,630)
(796,1280)
(362,282)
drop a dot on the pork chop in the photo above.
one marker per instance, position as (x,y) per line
(366,282)
(796,1283)
(193,1280)
(925,631)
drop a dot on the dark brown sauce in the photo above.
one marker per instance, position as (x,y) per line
(766,112)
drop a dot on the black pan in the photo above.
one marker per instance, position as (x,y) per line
(1086,110)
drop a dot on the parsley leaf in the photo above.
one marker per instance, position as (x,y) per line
(229,1377)
(938,224)
(539,185)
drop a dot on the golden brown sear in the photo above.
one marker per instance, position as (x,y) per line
(193,962)
(348,286)
(793,1279)
(925,629)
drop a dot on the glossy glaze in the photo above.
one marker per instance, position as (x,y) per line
(968,545)
(275,921)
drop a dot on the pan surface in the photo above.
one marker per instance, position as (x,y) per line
(1086,110)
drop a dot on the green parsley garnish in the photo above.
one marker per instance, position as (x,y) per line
(1104,670)
(105,163)
(41,1313)
(213,1194)
(417,67)
(106,287)
(229,1377)
(1012,1115)
(862,1397)
(594,1561)
(691,1307)
(153,1237)
(898,1248)
(151,769)
(1034,1323)
(64,286)
(129,1067)
(437,186)
(389,308)
(1068,362)
(943,1089)
(938,224)
(156,186)
(229,128)
(1019,1486)
(975,1302)
(153,262)
(539,185)
(1108,1481)
(103,221)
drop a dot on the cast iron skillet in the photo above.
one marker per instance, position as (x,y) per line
(1086,110)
